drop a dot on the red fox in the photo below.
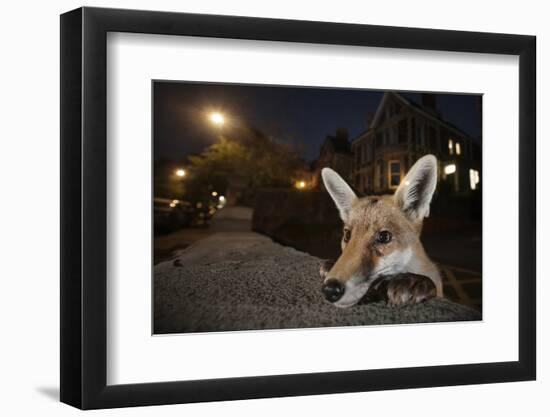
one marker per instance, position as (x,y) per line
(381,248)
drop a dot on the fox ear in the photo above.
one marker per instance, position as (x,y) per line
(340,191)
(414,194)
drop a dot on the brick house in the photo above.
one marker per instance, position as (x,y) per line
(399,133)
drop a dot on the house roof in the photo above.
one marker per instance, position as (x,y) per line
(418,108)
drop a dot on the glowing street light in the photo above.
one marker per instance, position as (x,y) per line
(181,173)
(300,185)
(217,118)
(222,198)
(214,193)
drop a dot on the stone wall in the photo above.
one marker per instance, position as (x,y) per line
(306,220)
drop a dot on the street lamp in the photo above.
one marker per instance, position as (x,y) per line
(181,172)
(217,118)
(300,185)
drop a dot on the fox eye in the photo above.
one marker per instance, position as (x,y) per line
(347,235)
(383,236)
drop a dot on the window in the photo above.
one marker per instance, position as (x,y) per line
(369,153)
(380,175)
(402,131)
(394,173)
(366,152)
(457,148)
(450,146)
(421,140)
(390,111)
(432,138)
(369,182)
(357,155)
(397,108)
(392,133)
(450,169)
(474,179)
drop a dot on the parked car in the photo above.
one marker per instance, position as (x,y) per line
(171,215)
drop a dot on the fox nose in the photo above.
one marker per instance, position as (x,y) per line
(333,290)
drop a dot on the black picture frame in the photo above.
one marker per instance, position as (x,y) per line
(83,207)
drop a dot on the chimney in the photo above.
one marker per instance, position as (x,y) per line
(428,101)
(342,134)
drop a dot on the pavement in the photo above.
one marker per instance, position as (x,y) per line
(462,285)
(459,259)
(235,279)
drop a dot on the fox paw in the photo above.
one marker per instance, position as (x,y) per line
(401,289)
(409,288)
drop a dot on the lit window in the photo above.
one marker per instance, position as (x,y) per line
(474,179)
(450,146)
(450,169)
(395,173)
(457,148)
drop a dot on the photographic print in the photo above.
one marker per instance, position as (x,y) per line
(291,212)
(282,207)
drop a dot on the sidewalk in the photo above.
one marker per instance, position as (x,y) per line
(230,219)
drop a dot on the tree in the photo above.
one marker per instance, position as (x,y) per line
(247,154)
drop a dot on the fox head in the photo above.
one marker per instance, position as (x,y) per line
(381,234)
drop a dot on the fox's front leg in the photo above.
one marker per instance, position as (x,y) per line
(401,289)
(409,288)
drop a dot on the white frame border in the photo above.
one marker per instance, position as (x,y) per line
(134,356)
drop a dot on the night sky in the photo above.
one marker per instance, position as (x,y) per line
(293,114)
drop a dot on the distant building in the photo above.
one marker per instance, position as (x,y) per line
(335,153)
(399,133)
